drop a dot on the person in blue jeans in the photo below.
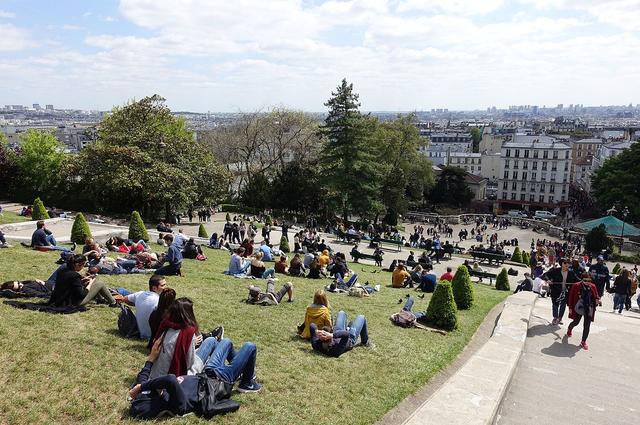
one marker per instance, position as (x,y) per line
(178,395)
(348,284)
(342,338)
(43,238)
(408,306)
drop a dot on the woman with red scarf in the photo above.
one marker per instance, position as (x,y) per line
(583,299)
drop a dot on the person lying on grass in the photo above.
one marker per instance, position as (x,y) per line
(178,394)
(342,338)
(180,337)
(256,296)
(72,289)
(27,288)
(317,313)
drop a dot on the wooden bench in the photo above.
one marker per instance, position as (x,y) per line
(347,237)
(483,275)
(489,257)
(359,255)
(398,244)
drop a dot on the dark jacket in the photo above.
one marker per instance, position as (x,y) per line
(340,343)
(555,277)
(622,286)
(69,289)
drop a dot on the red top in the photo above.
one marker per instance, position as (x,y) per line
(447,276)
(574,296)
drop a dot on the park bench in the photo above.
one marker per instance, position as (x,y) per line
(483,275)
(398,244)
(347,237)
(489,257)
(358,255)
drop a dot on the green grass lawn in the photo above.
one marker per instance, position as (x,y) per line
(75,368)
(10,217)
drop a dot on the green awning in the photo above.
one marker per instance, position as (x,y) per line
(612,224)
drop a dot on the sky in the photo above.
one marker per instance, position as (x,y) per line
(248,55)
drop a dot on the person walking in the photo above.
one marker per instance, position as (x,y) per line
(600,275)
(621,290)
(583,299)
(559,280)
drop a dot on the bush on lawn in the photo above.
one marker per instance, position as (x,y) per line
(80,230)
(517,255)
(202,232)
(616,269)
(462,288)
(137,230)
(442,311)
(39,212)
(268,220)
(502,281)
(284,245)
(526,259)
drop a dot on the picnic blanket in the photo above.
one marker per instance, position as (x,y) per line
(44,307)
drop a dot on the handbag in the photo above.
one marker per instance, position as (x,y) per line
(214,397)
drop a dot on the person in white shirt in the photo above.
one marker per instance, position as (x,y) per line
(540,286)
(180,239)
(145,302)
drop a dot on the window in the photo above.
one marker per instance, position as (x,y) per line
(554,167)
(513,196)
(550,198)
(564,180)
(472,168)
(535,154)
(542,188)
(566,166)
(516,164)
(544,166)
(562,198)
(522,196)
(504,195)
(526,153)
(566,155)
(514,186)
(523,186)
(508,153)
(478,168)
(564,189)
(515,175)
(544,177)
(505,185)
(525,165)
(532,198)
(517,153)
(552,188)
(555,154)
(545,154)
(533,175)
(541,198)
(579,154)
(506,164)
(524,175)
(506,174)
(553,177)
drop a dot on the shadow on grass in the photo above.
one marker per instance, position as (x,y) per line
(139,345)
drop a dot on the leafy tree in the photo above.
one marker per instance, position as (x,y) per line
(502,281)
(8,168)
(616,182)
(476,135)
(202,232)
(442,310)
(137,229)
(39,211)
(256,193)
(597,240)
(284,244)
(517,255)
(38,161)
(147,159)
(451,188)
(296,188)
(463,291)
(351,171)
(616,269)
(80,230)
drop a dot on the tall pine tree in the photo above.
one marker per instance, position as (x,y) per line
(352,174)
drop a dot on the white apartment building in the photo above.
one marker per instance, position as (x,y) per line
(442,144)
(468,161)
(535,172)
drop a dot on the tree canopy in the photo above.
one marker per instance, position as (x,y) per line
(451,188)
(38,162)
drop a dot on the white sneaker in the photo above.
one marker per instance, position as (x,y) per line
(377,288)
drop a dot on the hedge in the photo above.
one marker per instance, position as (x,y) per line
(202,232)
(284,245)
(463,291)
(502,281)
(80,230)
(442,311)
(137,230)
(517,255)
(39,212)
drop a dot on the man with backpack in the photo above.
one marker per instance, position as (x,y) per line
(145,302)
(583,299)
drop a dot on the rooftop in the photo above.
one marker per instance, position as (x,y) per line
(535,142)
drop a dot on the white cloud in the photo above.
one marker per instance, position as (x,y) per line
(6,15)
(460,7)
(14,38)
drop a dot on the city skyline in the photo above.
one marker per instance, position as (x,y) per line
(401,55)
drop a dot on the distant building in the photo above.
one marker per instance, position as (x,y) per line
(582,152)
(468,161)
(443,143)
(49,107)
(37,106)
(605,152)
(534,173)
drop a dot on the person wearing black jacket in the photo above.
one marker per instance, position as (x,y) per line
(621,290)
(71,289)
(560,280)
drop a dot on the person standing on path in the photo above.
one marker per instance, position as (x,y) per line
(583,299)
(621,290)
(559,280)
(600,275)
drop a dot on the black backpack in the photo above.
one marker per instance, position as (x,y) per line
(127,323)
(214,397)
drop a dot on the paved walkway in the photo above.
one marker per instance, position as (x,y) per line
(556,382)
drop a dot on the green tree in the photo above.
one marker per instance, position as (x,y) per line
(296,188)
(502,281)
(517,255)
(351,174)
(147,159)
(39,211)
(442,310)
(451,188)
(137,229)
(463,290)
(256,193)
(284,244)
(616,269)
(202,232)
(80,230)
(8,168)
(597,240)
(476,136)
(268,220)
(617,182)
(38,161)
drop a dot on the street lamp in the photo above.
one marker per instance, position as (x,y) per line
(625,212)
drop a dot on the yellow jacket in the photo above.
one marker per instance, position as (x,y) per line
(319,315)
(324,259)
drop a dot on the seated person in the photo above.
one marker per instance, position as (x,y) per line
(237,264)
(324,259)
(165,300)
(401,278)
(247,244)
(411,258)
(281,266)
(267,253)
(173,257)
(540,287)
(477,269)
(334,342)
(258,269)
(416,274)
(525,285)
(296,268)
(72,289)
(178,394)
(43,238)
(163,227)
(3,241)
(448,276)
(214,242)
(428,280)
(317,313)
(256,296)
(308,258)
(145,302)
(160,240)
(355,252)
(315,271)
(392,266)
(191,249)
(92,250)
(28,288)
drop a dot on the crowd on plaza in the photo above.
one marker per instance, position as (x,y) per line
(182,356)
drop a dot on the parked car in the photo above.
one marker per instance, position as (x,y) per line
(544,215)
(517,213)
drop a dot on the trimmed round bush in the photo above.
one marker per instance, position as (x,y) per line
(137,230)
(442,311)
(227,217)
(39,211)
(526,259)
(268,220)
(616,269)
(463,291)
(80,230)
(502,281)
(284,245)
(517,255)
(202,232)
